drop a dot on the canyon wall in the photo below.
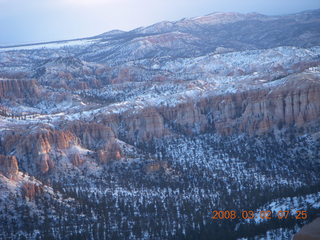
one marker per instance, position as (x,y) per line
(18,88)
(41,150)
(295,102)
(8,166)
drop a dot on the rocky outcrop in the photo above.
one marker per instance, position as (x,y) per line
(18,88)
(41,150)
(31,190)
(111,152)
(294,102)
(156,166)
(98,138)
(92,135)
(76,159)
(144,126)
(136,125)
(39,147)
(9,166)
(45,163)
(71,73)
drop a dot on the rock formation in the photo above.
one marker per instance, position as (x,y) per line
(31,190)
(45,146)
(110,152)
(18,88)
(91,135)
(9,166)
(76,159)
(296,102)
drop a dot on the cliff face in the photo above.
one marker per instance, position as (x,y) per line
(92,135)
(42,150)
(295,102)
(111,151)
(98,138)
(39,147)
(18,88)
(31,190)
(9,166)
(144,126)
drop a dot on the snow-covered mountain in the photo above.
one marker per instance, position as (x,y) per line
(142,134)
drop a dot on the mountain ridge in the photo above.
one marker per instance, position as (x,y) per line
(118,31)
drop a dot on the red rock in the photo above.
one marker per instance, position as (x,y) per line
(91,134)
(76,160)
(110,152)
(38,146)
(31,190)
(18,88)
(156,166)
(9,166)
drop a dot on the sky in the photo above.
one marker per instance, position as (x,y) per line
(29,21)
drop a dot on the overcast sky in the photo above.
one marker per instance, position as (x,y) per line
(25,21)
